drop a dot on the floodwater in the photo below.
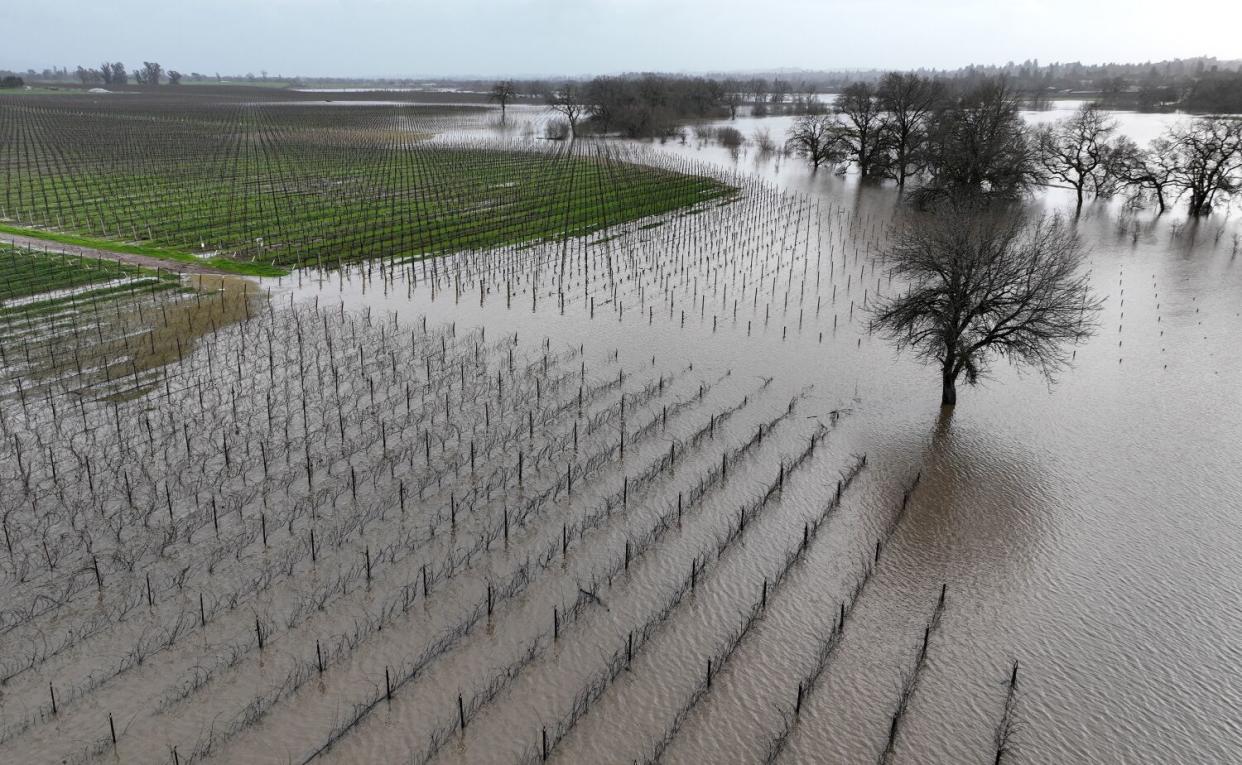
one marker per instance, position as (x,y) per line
(1087,530)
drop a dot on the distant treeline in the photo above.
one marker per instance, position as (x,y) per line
(654,104)
(113,73)
(648,104)
(1202,84)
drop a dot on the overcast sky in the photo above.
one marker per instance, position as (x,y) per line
(549,37)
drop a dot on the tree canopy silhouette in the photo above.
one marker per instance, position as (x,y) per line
(987,283)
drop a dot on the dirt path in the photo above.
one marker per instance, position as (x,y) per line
(145,261)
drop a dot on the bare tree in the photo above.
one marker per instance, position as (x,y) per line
(174,77)
(605,97)
(757,89)
(1074,151)
(564,100)
(780,89)
(818,138)
(986,283)
(978,146)
(1208,160)
(763,141)
(502,93)
(1140,173)
(864,126)
(105,72)
(910,101)
(733,100)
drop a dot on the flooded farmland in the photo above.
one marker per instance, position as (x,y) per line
(649,492)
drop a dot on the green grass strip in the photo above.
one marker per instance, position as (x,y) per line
(220,264)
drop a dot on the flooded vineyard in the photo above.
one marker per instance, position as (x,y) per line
(637,484)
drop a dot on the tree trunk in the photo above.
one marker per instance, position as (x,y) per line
(1078,208)
(949,395)
(1198,201)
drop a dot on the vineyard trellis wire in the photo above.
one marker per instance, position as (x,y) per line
(207,481)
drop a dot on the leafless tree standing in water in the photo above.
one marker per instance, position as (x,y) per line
(864,122)
(1075,151)
(502,93)
(910,101)
(1208,161)
(983,283)
(565,101)
(763,141)
(978,148)
(818,138)
(1141,174)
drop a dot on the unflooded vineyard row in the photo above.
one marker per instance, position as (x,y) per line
(282,185)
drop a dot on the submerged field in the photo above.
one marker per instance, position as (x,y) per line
(288,184)
(644,493)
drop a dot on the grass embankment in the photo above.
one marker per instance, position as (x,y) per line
(316,186)
(226,265)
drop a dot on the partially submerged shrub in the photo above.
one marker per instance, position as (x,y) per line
(556,130)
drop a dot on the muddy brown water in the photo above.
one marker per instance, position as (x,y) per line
(1087,530)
